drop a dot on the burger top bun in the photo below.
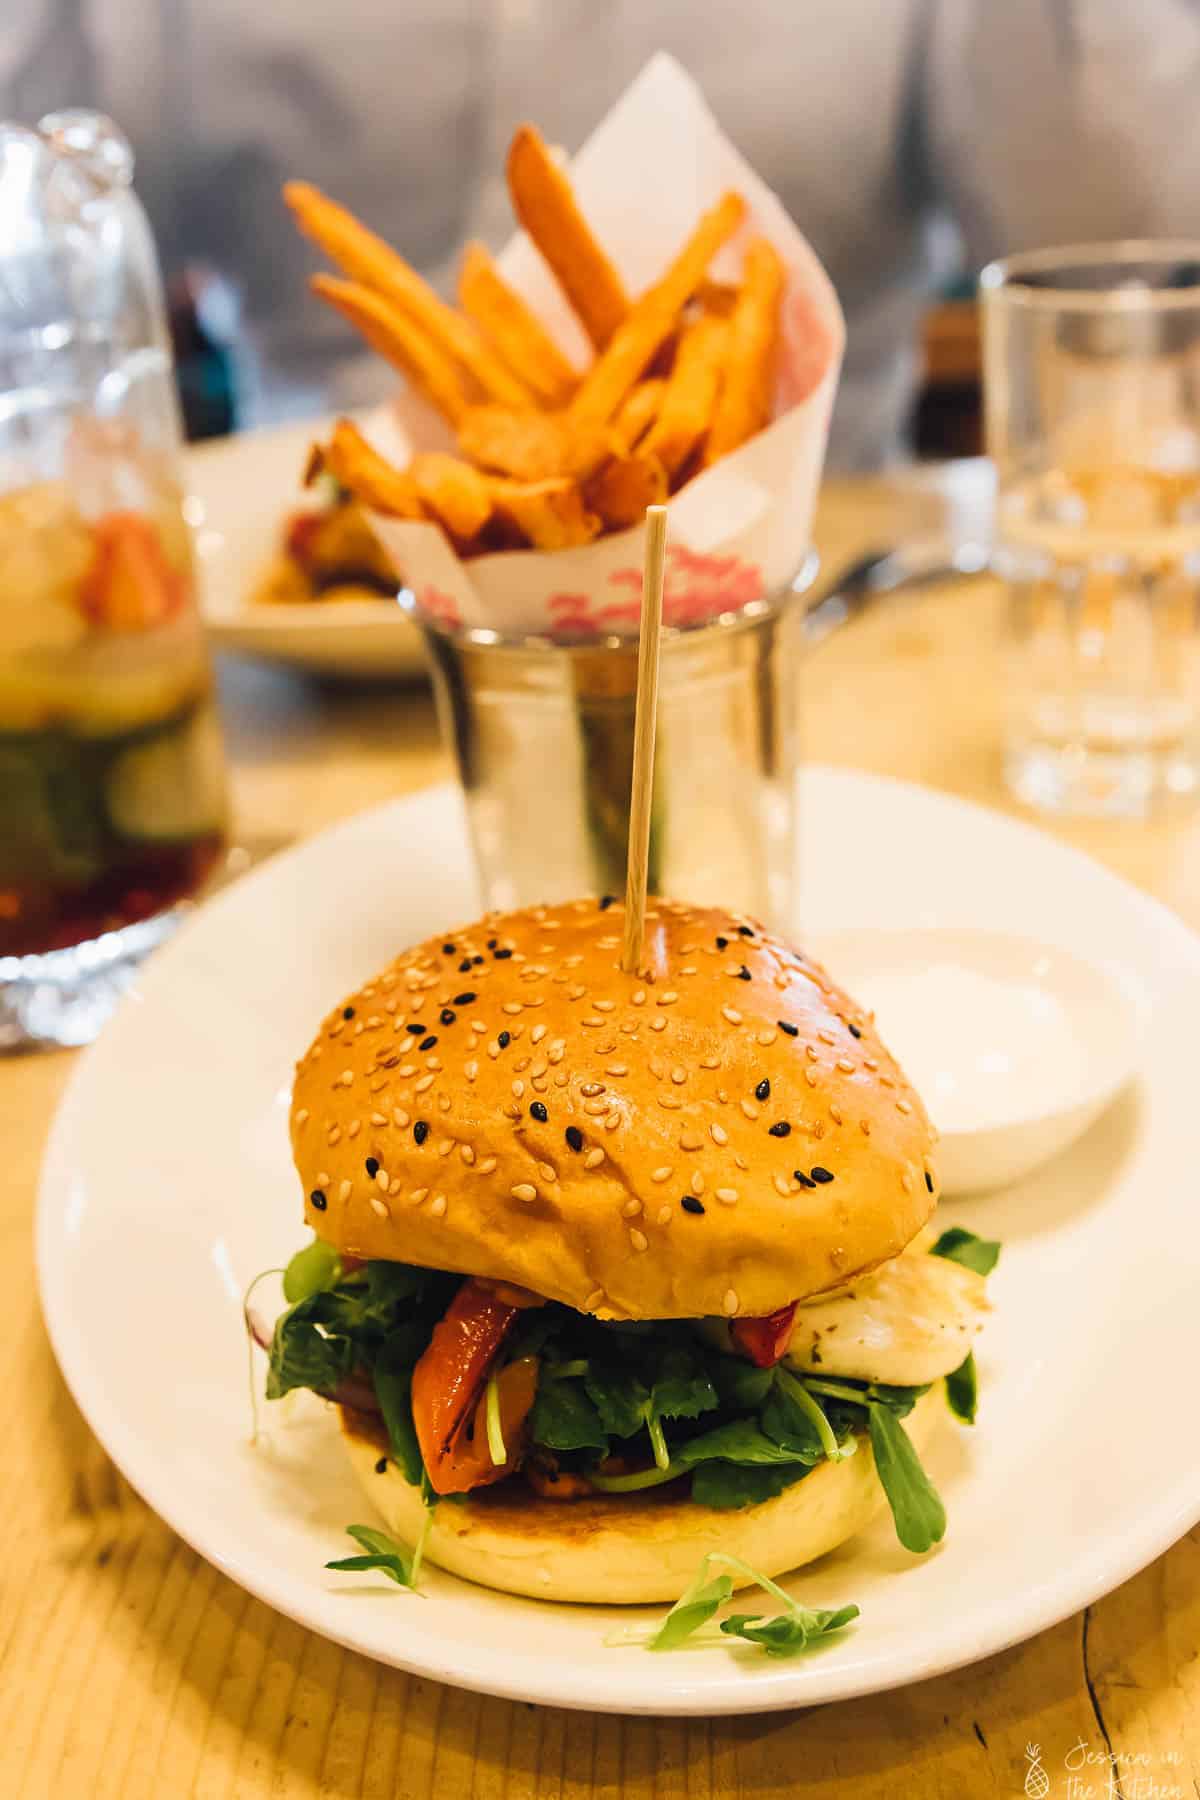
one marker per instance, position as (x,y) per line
(718,1135)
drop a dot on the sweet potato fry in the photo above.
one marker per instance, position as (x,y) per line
(550,514)
(397,339)
(512,328)
(457,495)
(744,403)
(530,446)
(366,258)
(639,412)
(691,397)
(624,487)
(653,318)
(358,466)
(716,297)
(545,204)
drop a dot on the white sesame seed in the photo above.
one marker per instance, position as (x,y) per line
(664,1215)
(347,1077)
(811,1051)
(593,1159)
(690,1140)
(478,1027)
(486,1166)
(378,1118)
(604,1005)
(576,993)
(697,1182)
(592,1020)
(718,1133)
(810,1075)
(782,1185)
(903,1106)
(467,1154)
(353,1128)
(521,1064)
(593,1299)
(670,1102)
(395,1185)
(658,1024)
(732,1014)
(638,1239)
(730,1303)
(690,969)
(639,997)
(524,1190)
(667,999)
(322,1178)
(727,1196)
(906,1181)
(407,1069)
(827,1037)
(612,1121)
(335,1136)
(437,1205)
(661,1174)
(417,1195)
(835,1113)
(710,1062)
(375,1086)
(518,1088)
(594,1108)
(631,1209)
(617,1069)
(845,1065)
(344,1188)
(590,1088)
(864,1126)
(749,1108)
(561,1079)
(382,1178)
(302,1115)
(679,1076)
(512,1007)
(740,1161)
(377,1206)
(426,1081)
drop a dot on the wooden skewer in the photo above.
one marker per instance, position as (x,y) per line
(645,720)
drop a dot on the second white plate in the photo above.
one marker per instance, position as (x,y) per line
(168,1185)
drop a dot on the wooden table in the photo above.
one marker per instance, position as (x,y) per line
(130,1668)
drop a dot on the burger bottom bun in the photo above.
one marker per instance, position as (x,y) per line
(630,1548)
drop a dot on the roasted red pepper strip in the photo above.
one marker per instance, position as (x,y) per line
(450,1376)
(764,1340)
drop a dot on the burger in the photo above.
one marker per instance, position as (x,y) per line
(611,1271)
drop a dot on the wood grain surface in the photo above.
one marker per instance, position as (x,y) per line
(131,1669)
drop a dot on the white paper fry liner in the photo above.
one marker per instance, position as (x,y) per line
(739,530)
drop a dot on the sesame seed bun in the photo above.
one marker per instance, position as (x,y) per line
(624,1549)
(721,1135)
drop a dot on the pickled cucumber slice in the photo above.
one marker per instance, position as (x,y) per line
(170,787)
(53,825)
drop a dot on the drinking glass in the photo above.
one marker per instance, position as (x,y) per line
(112,781)
(542,733)
(1092,387)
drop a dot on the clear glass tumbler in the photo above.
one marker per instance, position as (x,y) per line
(1092,387)
(112,780)
(542,733)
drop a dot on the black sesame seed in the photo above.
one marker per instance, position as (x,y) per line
(492,942)
(722,943)
(690,1204)
(792,1030)
(464,999)
(446,1017)
(745,931)
(538,1112)
(803,1179)
(744,974)
(502,955)
(427,1043)
(504,1040)
(929,1181)
(318,1199)
(415,1029)
(763,1090)
(820,1174)
(780,1129)
(372,1166)
(854,1031)
(574,1137)
(464,967)
(475,961)
(606,901)
(448,950)
(347,1012)
(420,1131)
(381,1466)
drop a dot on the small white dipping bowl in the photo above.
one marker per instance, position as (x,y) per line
(1015,1046)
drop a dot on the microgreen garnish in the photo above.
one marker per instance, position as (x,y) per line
(916,1506)
(962,1390)
(382,1553)
(785,1634)
(962,1246)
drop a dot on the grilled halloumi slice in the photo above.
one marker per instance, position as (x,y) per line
(906,1323)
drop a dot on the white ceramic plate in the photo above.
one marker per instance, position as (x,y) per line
(240,489)
(167,1185)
